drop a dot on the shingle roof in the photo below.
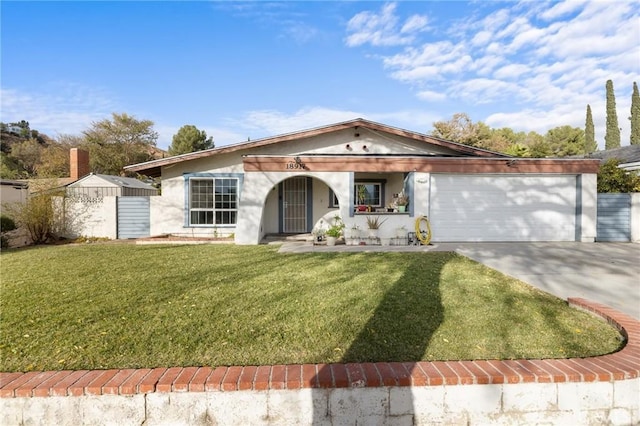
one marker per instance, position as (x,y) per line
(152,168)
(625,154)
(123,182)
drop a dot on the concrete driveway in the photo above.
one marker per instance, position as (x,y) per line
(608,273)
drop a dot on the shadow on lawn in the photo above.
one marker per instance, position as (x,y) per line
(399,330)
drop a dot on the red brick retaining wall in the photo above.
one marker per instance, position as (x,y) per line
(621,365)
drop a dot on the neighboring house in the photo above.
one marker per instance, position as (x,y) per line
(78,168)
(96,205)
(105,206)
(16,130)
(296,182)
(628,157)
(13,191)
(84,184)
(98,185)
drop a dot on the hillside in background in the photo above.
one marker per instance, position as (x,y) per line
(26,153)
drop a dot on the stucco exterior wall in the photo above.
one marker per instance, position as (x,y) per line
(346,142)
(167,211)
(588,198)
(256,189)
(91,217)
(635,217)
(270,222)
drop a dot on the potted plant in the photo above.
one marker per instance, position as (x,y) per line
(335,231)
(374,223)
(402,201)
(362,196)
(401,232)
(354,234)
(318,233)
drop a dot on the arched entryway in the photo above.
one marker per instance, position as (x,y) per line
(298,205)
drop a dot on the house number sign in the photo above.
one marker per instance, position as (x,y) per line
(297,164)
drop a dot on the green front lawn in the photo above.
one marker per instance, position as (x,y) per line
(100,306)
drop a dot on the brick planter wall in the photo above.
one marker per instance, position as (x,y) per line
(597,390)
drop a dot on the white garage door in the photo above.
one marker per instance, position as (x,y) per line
(503,207)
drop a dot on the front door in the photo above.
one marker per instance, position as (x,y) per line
(294,205)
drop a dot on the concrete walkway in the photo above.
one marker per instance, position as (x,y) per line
(607,273)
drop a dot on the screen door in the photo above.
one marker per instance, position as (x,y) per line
(294,203)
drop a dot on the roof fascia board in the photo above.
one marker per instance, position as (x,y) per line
(253,163)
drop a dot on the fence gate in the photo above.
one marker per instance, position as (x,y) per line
(133,217)
(614,217)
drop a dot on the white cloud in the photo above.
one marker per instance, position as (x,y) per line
(496,19)
(481,38)
(529,64)
(484,90)
(62,108)
(300,32)
(561,8)
(431,96)
(383,28)
(511,71)
(601,28)
(432,59)
(415,23)
(486,64)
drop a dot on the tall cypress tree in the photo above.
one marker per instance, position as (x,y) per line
(612,135)
(635,116)
(590,144)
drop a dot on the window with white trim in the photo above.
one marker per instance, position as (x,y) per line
(213,201)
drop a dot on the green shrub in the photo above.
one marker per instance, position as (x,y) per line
(6,224)
(36,216)
(613,179)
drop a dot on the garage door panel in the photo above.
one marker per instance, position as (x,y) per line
(502,208)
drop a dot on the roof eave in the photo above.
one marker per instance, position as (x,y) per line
(153,168)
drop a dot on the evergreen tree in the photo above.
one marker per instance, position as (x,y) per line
(635,116)
(189,139)
(590,144)
(612,135)
(565,141)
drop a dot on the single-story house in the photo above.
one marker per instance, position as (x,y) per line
(628,157)
(297,182)
(13,191)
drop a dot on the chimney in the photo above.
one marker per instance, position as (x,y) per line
(78,164)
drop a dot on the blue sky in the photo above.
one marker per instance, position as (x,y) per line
(256,69)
